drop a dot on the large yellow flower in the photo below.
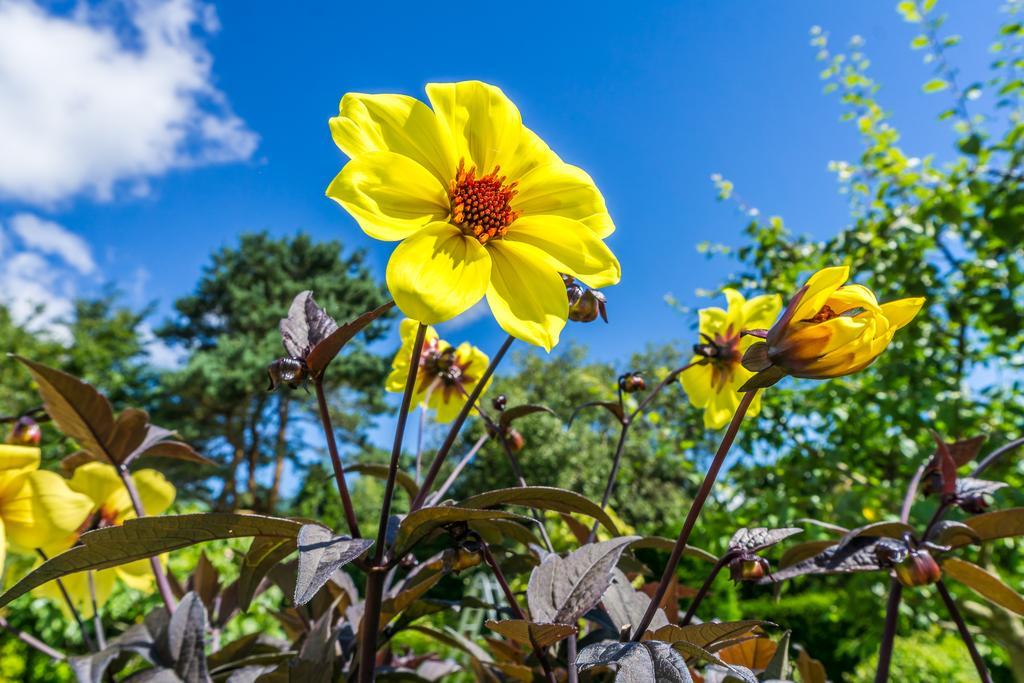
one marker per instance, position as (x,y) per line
(716,374)
(446,373)
(36,506)
(829,329)
(108,505)
(481,205)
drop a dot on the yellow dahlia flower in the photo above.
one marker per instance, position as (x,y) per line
(716,374)
(829,329)
(108,505)
(446,373)
(480,205)
(36,506)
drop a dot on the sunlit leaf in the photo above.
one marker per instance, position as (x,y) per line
(419,524)
(543,498)
(636,662)
(984,583)
(707,634)
(528,632)
(321,553)
(626,605)
(758,538)
(264,552)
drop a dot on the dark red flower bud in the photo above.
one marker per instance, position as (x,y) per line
(585,304)
(975,505)
(632,382)
(499,402)
(515,440)
(748,569)
(919,568)
(25,432)
(290,371)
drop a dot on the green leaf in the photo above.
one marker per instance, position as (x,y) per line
(137,539)
(419,524)
(381,472)
(563,589)
(543,498)
(264,552)
(984,583)
(935,85)
(526,632)
(321,553)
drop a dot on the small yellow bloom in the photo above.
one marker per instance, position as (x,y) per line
(480,205)
(108,505)
(713,381)
(829,329)
(446,373)
(36,506)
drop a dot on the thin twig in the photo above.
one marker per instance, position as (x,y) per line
(892,615)
(691,517)
(965,635)
(705,587)
(154,562)
(996,454)
(32,641)
(439,494)
(97,620)
(339,469)
(71,606)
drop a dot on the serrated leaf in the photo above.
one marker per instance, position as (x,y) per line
(516,412)
(144,537)
(528,633)
(626,605)
(264,552)
(707,634)
(321,553)
(379,471)
(983,583)
(306,325)
(758,538)
(543,498)
(562,589)
(419,524)
(636,662)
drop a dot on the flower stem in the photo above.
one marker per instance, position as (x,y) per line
(162,583)
(97,620)
(453,432)
(339,469)
(892,614)
(996,454)
(33,642)
(71,606)
(516,609)
(705,587)
(461,465)
(691,517)
(376,574)
(965,635)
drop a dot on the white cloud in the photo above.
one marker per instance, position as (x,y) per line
(48,237)
(109,96)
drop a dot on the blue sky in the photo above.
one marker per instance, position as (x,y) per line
(199,123)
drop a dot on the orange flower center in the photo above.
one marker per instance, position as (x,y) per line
(826,313)
(723,354)
(480,206)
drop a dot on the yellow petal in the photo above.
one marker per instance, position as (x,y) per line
(389,195)
(394,123)
(531,152)
(570,246)
(526,295)
(819,288)
(438,273)
(816,340)
(155,491)
(44,511)
(902,311)
(18,457)
(850,297)
(485,126)
(137,575)
(720,408)
(400,364)
(96,480)
(712,320)
(761,311)
(696,383)
(3,549)
(560,189)
(734,311)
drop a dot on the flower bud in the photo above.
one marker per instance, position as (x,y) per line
(288,371)
(499,402)
(515,440)
(585,304)
(919,568)
(748,568)
(632,382)
(974,505)
(25,432)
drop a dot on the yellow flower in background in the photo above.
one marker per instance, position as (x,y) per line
(109,505)
(829,329)
(446,373)
(716,374)
(36,506)
(480,205)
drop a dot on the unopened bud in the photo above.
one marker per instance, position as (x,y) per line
(975,505)
(515,440)
(748,569)
(25,432)
(499,402)
(919,568)
(586,304)
(288,371)
(632,382)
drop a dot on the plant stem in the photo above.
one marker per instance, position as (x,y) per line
(908,499)
(570,658)
(516,609)
(32,641)
(705,587)
(453,431)
(154,562)
(892,615)
(97,621)
(71,606)
(996,454)
(419,442)
(339,470)
(691,517)
(461,465)
(375,574)
(965,635)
